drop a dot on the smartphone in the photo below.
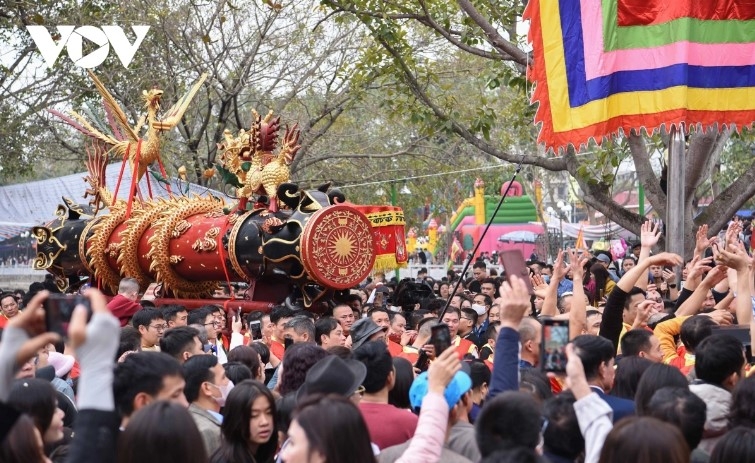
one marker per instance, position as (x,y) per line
(58,311)
(440,339)
(255,329)
(287,342)
(423,361)
(514,264)
(553,349)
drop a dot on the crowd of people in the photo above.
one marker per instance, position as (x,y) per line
(656,370)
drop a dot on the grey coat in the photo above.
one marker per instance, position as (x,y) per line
(209,428)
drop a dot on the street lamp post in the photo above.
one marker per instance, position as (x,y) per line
(563,210)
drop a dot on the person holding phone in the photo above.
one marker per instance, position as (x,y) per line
(463,346)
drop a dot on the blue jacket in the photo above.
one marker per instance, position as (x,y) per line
(621,407)
(506,360)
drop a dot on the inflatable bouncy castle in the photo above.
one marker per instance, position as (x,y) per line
(514,226)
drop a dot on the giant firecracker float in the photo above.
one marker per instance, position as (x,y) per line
(280,239)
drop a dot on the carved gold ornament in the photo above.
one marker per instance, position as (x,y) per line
(161,265)
(208,242)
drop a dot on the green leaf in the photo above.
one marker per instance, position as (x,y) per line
(228,177)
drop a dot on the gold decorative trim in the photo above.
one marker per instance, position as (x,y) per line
(83,245)
(113,250)
(181,208)
(136,226)
(214,214)
(45,236)
(269,223)
(208,242)
(180,228)
(232,237)
(176,259)
(62,213)
(99,248)
(75,207)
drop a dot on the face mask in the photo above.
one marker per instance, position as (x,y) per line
(480,309)
(224,391)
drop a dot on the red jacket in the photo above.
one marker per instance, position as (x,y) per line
(123,308)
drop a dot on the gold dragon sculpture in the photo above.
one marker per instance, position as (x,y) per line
(251,158)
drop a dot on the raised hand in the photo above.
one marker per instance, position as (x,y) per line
(702,242)
(644,310)
(697,268)
(732,233)
(32,321)
(734,256)
(236,323)
(575,373)
(538,282)
(559,269)
(577,264)
(666,258)
(722,317)
(715,276)
(407,336)
(669,276)
(80,330)
(650,234)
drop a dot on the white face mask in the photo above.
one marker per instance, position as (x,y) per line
(224,391)
(480,309)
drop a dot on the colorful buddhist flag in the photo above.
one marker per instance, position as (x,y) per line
(601,66)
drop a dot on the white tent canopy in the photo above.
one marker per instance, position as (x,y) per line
(25,205)
(591,232)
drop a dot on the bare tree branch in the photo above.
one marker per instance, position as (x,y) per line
(645,173)
(498,42)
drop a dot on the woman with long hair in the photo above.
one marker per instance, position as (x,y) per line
(345,439)
(249,430)
(37,398)
(22,443)
(600,285)
(160,432)
(399,395)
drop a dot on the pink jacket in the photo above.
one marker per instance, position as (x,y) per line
(430,435)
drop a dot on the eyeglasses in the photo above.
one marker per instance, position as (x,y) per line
(212,323)
(159,327)
(360,391)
